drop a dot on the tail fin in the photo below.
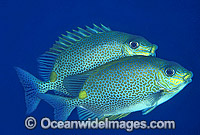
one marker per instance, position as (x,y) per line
(61,105)
(30,84)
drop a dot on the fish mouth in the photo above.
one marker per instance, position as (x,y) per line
(188,77)
(153,50)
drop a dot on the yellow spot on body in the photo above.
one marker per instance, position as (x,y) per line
(53,76)
(82,95)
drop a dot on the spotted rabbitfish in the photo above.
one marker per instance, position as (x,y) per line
(118,88)
(77,52)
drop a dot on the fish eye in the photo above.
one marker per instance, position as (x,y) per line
(169,72)
(133,44)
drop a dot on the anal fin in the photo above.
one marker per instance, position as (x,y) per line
(84,114)
(115,117)
(148,110)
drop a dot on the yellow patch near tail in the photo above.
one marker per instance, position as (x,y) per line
(82,95)
(53,76)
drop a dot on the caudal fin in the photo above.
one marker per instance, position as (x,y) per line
(30,84)
(61,105)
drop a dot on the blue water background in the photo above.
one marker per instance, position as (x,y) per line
(28,28)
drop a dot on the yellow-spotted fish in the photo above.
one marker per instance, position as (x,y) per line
(120,87)
(77,52)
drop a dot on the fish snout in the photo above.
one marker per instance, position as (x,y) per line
(188,76)
(153,49)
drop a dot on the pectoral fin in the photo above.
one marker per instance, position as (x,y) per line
(152,101)
(74,84)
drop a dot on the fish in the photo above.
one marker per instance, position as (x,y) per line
(78,52)
(120,87)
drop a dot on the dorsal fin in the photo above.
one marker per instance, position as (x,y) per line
(46,61)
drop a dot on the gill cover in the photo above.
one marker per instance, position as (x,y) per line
(171,81)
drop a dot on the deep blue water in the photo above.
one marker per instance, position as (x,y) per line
(29,28)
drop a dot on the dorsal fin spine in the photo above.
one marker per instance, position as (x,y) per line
(66,40)
(95,26)
(62,44)
(74,35)
(63,40)
(56,49)
(42,59)
(82,30)
(71,37)
(91,30)
(59,46)
(105,28)
(45,61)
(81,35)
(52,53)
(49,53)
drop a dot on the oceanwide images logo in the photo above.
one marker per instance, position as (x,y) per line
(46,123)
(30,123)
